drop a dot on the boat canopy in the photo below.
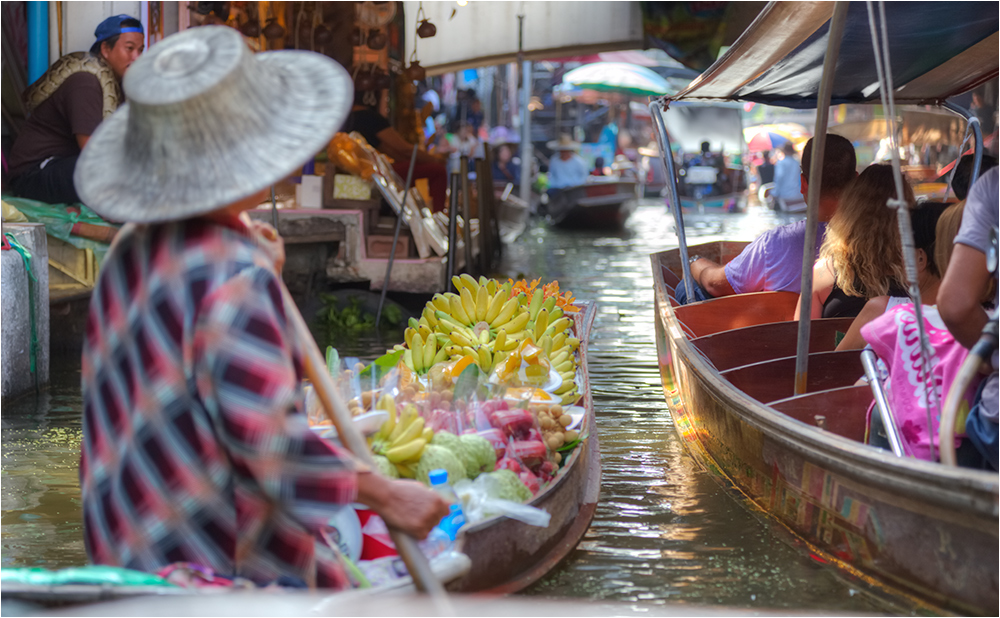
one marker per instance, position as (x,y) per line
(938,50)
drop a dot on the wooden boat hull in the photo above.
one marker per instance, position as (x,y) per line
(509,555)
(506,555)
(916,528)
(598,205)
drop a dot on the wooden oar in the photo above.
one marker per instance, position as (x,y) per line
(336,410)
(340,416)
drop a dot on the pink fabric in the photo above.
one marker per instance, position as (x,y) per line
(895,339)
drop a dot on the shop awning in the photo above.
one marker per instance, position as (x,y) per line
(486,33)
(937,50)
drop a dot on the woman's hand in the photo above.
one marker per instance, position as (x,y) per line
(404,504)
(269,240)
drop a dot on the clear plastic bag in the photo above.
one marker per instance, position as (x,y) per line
(480,501)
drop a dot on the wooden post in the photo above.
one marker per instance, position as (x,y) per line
(835,35)
(466,215)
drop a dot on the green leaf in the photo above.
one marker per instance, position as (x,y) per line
(467,382)
(569,446)
(384,364)
(332,360)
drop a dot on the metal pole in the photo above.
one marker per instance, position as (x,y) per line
(527,148)
(395,238)
(977,132)
(466,215)
(452,214)
(38,39)
(881,403)
(274,210)
(834,37)
(667,159)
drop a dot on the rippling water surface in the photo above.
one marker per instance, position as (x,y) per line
(665,530)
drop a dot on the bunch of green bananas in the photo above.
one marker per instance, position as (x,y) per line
(401,439)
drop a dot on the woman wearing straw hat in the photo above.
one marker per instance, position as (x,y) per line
(195,446)
(568,169)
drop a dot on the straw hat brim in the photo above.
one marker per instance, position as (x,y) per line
(315,99)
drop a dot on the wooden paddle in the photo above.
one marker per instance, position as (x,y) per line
(336,410)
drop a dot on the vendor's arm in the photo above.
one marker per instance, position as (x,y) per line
(823,280)
(406,505)
(961,293)
(251,385)
(247,374)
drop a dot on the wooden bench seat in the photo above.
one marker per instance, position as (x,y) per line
(775,379)
(728,312)
(762,342)
(845,409)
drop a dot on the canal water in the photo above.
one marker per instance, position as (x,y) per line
(666,531)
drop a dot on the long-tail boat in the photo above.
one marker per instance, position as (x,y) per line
(793,441)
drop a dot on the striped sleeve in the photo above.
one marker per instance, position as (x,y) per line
(249,378)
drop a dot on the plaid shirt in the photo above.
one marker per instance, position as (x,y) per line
(195,445)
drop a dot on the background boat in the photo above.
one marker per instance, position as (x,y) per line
(595,205)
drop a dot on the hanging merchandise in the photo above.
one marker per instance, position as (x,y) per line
(426,29)
(373,17)
(251,27)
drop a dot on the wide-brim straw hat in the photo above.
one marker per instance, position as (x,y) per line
(564,142)
(648,152)
(622,162)
(208,123)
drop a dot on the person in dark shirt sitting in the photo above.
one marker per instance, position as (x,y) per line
(366,120)
(43,157)
(504,167)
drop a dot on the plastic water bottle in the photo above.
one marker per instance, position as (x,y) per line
(455,518)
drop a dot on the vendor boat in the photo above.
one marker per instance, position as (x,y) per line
(593,205)
(498,555)
(916,529)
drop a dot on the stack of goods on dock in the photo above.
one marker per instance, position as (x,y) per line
(359,167)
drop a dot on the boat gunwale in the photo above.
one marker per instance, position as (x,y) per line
(583,464)
(916,479)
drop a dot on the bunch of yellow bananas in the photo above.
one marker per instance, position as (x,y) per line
(483,322)
(422,351)
(402,439)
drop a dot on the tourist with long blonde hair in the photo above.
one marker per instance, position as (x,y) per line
(861,255)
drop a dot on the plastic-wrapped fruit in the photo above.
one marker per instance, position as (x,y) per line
(530,452)
(385,467)
(496,440)
(435,457)
(477,454)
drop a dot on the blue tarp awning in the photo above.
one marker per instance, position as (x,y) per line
(937,50)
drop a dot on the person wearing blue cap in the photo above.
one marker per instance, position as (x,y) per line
(65,105)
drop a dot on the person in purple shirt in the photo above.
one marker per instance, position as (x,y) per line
(773,261)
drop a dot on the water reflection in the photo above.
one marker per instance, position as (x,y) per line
(664,530)
(41,522)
